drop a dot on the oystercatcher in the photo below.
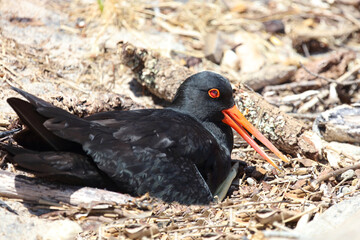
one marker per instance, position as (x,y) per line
(181,153)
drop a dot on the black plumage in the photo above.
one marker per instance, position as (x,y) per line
(181,153)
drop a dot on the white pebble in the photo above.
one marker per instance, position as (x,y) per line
(348,174)
(250,181)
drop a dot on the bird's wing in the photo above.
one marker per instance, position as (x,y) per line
(155,152)
(159,129)
(163,128)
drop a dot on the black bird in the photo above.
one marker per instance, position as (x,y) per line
(181,153)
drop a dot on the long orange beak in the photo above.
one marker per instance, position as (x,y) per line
(235,119)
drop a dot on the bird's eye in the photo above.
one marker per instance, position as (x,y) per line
(214,93)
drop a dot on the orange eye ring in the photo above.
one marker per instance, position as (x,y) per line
(214,93)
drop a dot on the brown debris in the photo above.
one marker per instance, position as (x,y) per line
(25,21)
(140,231)
(84,105)
(331,67)
(276,216)
(324,177)
(159,74)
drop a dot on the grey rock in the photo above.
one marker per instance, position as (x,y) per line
(341,221)
(16,223)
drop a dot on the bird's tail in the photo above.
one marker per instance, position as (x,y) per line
(33,115)
(65,167)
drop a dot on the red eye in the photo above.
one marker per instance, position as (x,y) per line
(214,93)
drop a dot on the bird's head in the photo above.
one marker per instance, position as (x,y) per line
(208,96)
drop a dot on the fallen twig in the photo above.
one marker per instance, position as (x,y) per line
(334,174)
(35,190)
(317,75)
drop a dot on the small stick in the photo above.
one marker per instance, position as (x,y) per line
(340,80)
(317,75)
(335,173)
(313,84)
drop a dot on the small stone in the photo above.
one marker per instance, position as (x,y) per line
(274,26)
(333,158)
(325,189)
(80,23)
(230,60)
(214,47)
(348,174)
(344,190)
(250,181)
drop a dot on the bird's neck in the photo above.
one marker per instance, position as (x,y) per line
(221,131)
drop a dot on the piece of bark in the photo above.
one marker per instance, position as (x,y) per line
(34,190)
(340,124)
(276,215)
(159,74)
(286,133)
(347,150)
(85,105)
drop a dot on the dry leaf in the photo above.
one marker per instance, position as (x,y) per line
(138,231)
